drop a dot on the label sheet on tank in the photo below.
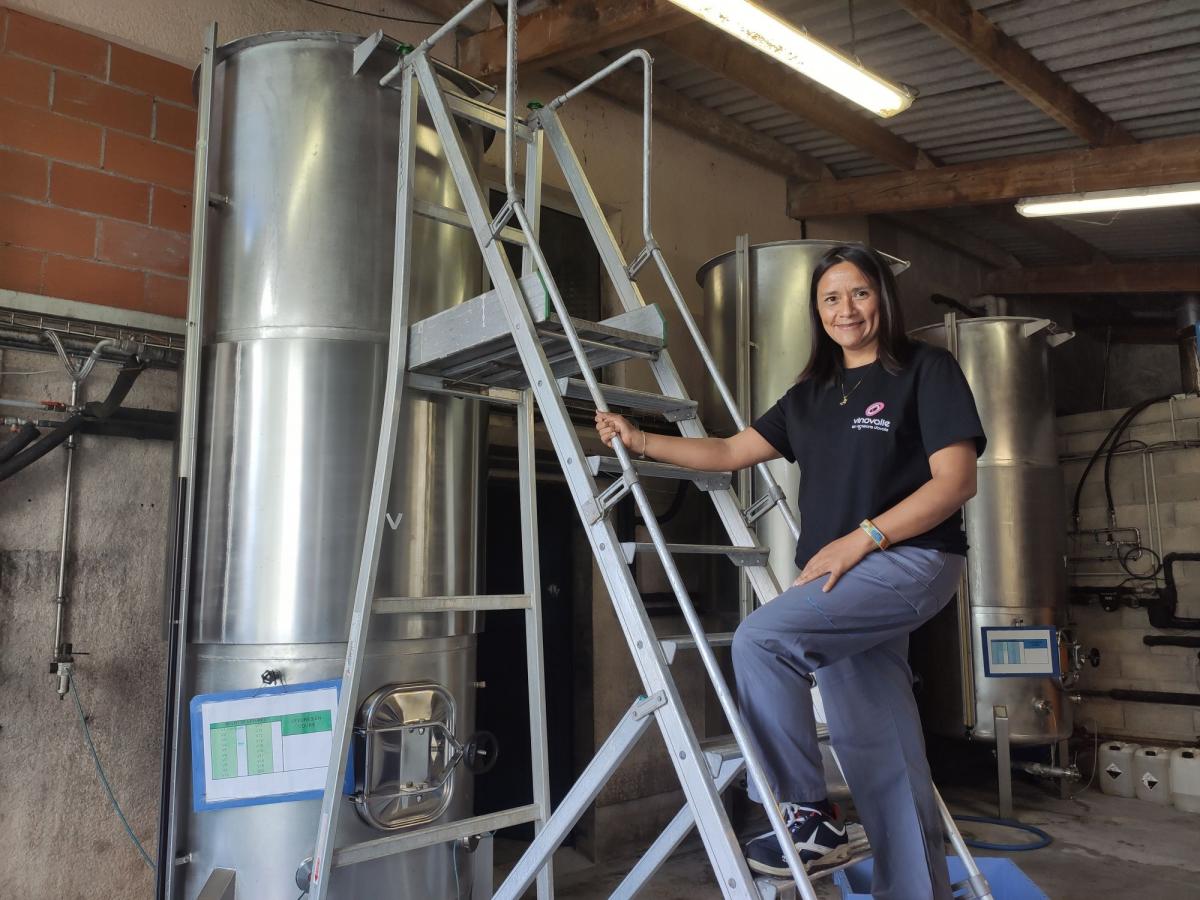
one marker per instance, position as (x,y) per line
(1020,651)
(267,745)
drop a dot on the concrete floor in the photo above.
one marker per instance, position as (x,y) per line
(1103,847)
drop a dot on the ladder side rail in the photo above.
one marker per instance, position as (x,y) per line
(364,592)
(652,250)
(175,713)
(695,626)
(533,197)
(698,787)
(763,580)
(978,881)
(535,667)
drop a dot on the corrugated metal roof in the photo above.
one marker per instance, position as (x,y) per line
(1138,61)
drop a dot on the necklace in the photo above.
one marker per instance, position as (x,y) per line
(846,394)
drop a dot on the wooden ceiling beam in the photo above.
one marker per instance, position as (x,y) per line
(569,30)
(1073,248)
(975,35)
(700,121)
(730,58)
(1166,161)
(1148,276)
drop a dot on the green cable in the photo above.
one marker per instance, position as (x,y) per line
(87,737)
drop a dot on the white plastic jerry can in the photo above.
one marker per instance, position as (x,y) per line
(1116,768)
(1152,774)
(1185,778)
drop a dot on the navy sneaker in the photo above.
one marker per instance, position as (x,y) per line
(820,841)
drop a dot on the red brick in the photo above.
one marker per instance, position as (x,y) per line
(46,228)
(103,104)
(20,269)
(144,248)
(23,175)
(166,296)
(147,161)
(56,44)
(24,81)
(93,282)
(159,77)
(48,134)
(92,191)
(175,125)
(171,209)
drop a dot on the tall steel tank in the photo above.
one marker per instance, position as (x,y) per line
(1016,565)
(298,293)
(779,330)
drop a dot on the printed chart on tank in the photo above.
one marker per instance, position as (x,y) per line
(266,745)
(1020,651)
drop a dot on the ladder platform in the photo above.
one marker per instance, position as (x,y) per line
(463,603)
(673,409)
(739,556)
(706,481)
(472,342)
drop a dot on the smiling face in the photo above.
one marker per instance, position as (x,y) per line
(848,303)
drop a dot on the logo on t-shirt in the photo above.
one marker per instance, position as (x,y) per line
(868,421)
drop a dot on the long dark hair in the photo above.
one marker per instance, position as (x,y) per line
(825,363)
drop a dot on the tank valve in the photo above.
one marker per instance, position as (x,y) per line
(272,676)
(1042,705)
(481,753)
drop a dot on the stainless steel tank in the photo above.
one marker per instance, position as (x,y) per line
(779,329)
(298,292)
(1016,567)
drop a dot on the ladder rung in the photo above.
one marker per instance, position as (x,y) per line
(706,481)
(463,603)
(486,115)
(739,556)
(433,834)
(687,642)
(724,746)
(456,217)
(471,342)
(860,849)
(673,409)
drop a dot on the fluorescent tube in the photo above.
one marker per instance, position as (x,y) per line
(808,56)
(1111,201)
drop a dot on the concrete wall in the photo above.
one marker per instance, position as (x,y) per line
(61,837)
(1173,471)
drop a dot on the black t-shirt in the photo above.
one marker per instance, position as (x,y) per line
(859,459)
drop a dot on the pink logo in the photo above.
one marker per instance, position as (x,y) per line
(874,409)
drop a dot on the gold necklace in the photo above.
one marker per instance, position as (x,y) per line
(846,396)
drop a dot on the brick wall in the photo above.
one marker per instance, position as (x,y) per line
(1173,472)
(95,168)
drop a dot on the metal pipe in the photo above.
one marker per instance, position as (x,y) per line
(745,478)
(450,25)
(1157,513)
(60,600)
(1171,698)
(1045,771)
(510,104)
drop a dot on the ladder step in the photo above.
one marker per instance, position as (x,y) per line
(471,342)
(449,216)
(464,603)
(723,747)
(430,835)
(706,481)
(739,556)
(673,409)
(687,642)
(486,115)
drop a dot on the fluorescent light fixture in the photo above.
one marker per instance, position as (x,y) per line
(1111,201)
(808,56)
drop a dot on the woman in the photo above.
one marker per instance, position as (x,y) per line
(886,434)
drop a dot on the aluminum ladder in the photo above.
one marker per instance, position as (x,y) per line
(537,350)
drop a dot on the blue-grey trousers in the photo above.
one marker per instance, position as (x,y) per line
(854,639)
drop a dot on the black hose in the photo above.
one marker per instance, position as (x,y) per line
(1118,428)
(1127,419)
(24,437)
(1171,698)
(1172,640)
(93,411)
(1163,613)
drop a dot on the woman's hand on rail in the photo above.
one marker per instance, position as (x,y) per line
(610,425)
(835,559)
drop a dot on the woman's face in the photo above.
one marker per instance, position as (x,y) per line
(849,306)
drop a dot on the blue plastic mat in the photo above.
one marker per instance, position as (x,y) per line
(1008,882)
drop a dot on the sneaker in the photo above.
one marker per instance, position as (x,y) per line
(820,841)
